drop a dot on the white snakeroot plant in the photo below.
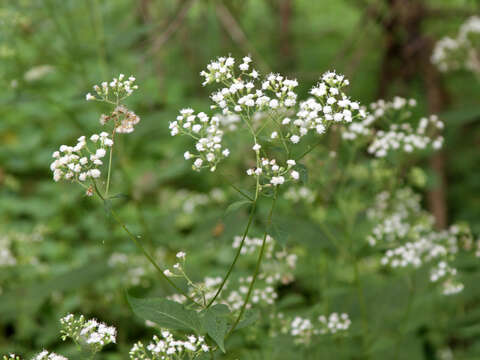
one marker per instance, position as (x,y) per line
(268,108)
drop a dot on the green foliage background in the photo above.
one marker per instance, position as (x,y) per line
(63,240)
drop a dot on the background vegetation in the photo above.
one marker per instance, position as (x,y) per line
(53,51)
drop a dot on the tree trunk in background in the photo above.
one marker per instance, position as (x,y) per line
(286,12)
(437,100)
(406,58)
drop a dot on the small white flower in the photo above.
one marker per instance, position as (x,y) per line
(167,272)
(277,180)
(198,163)
(95,173)
(100,153)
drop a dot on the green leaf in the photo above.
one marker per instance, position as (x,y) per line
(249,318)
(215,323)
(166,313)
(236,205)
(28,297)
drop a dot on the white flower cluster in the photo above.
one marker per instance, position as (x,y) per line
(334,323)
(463,51)
(88,333)
(262,102)
(252,244)
(393,216)
(207,134)
(167,347)
(79,162)
(410,238)
(114,91)
(272,174)
(303,329)
(263,294)
(328,105)
(45,355)
(400,135)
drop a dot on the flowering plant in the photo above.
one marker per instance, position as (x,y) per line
(282,132)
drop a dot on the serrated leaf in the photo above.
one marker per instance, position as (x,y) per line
(215,323)
(236,205)
(166,313)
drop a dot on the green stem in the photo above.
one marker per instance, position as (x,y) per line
(257,267)
(145,253)
(244,236)
(110,164)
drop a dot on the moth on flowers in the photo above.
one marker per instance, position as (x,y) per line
(82,163)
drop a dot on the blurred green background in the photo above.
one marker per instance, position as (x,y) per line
(53,51)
